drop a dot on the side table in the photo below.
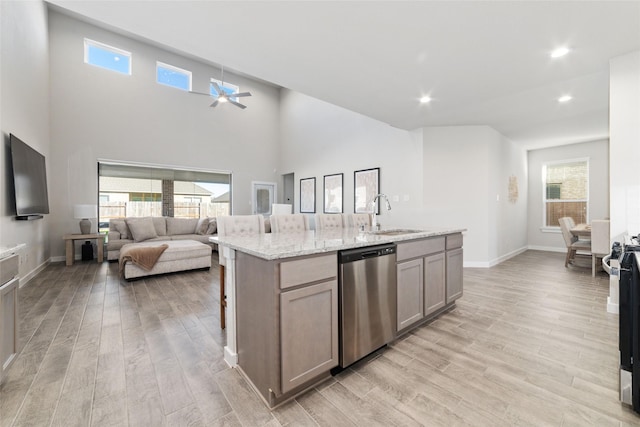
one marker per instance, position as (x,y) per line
(70,240)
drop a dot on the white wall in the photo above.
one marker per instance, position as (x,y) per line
(466,176)
(624,123)
(24,92)
(436,177)
(598,154)
(318,138)
(99,114)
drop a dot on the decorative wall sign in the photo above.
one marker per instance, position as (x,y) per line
(366,185)
(308,195)
(333,193)
(513,189)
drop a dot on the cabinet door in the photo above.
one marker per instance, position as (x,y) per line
(434,283)
(454,275)
(410,292)
(308,332)
(8,324)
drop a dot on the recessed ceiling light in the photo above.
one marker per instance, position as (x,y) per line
(561,51)
(565,98)
(425,99)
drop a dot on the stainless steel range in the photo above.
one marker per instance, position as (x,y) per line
(629,318)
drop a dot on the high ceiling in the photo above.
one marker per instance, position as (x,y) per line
(482,62)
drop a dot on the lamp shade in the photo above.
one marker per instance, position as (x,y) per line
(85,211)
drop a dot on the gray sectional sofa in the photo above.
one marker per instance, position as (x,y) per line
(149,229)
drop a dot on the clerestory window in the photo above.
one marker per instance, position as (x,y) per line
(108,57)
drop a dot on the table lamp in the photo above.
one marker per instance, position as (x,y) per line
(83,213)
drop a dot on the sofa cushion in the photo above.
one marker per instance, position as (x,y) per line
(181,226)
(121,227)
(141,229)
(160,223)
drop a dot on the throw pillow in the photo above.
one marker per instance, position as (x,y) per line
(203,224)
(141,229)
(121,227)
(212,227)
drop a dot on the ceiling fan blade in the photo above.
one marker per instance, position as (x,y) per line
(238,95)
(217,88)
(237,104)
(200,93)
(214,103)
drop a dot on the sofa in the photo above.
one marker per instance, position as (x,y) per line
(150,229)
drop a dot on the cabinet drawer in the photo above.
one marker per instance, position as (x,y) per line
(306,270)
(454,241)
(419,248)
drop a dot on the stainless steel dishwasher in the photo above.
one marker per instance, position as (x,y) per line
(367,296)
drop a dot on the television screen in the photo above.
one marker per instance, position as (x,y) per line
(29,180)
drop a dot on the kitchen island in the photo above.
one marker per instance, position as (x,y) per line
(283,306)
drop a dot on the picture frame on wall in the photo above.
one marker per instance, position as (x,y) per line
(366,185)
(308,195)
(333,202)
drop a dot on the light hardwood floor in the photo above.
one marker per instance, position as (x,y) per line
(530,343)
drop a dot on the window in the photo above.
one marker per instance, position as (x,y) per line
(228,88)
(127,190)
(105,56)
(566,191)
(173,76)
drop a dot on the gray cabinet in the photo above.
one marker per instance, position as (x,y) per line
(435,283)
(286,322)
(410,288)
(454,275)
(309,332)
(421,280)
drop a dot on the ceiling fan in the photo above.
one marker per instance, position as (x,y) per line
(222,96)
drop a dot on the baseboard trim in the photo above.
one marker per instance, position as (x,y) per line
(547,248)
(230,357)
(33,273)
(58,258)
(494,262)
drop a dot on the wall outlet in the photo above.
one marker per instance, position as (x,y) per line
(405,198)
(396,198)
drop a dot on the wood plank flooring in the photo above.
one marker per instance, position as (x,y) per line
(529,344)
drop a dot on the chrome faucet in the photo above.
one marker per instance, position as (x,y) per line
(374,222)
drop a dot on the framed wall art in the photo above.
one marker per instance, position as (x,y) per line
(333,193)
(366,185)
(308,195)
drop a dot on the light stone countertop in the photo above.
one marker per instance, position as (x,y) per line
(272,246)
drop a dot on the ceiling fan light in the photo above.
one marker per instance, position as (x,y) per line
(561,51)
(222,98)
(425,99)
(565,98)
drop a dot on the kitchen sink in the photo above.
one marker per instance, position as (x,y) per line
(396,232)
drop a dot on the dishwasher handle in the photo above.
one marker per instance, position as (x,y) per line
(358,254)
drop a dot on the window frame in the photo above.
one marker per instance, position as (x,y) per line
(92,43)
(556,228)
(189,74)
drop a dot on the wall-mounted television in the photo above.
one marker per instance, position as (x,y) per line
(29,180)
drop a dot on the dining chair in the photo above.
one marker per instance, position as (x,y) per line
(236,225)
(289,223)
(600,242)
(573,243)
(328,222)
(355,220)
